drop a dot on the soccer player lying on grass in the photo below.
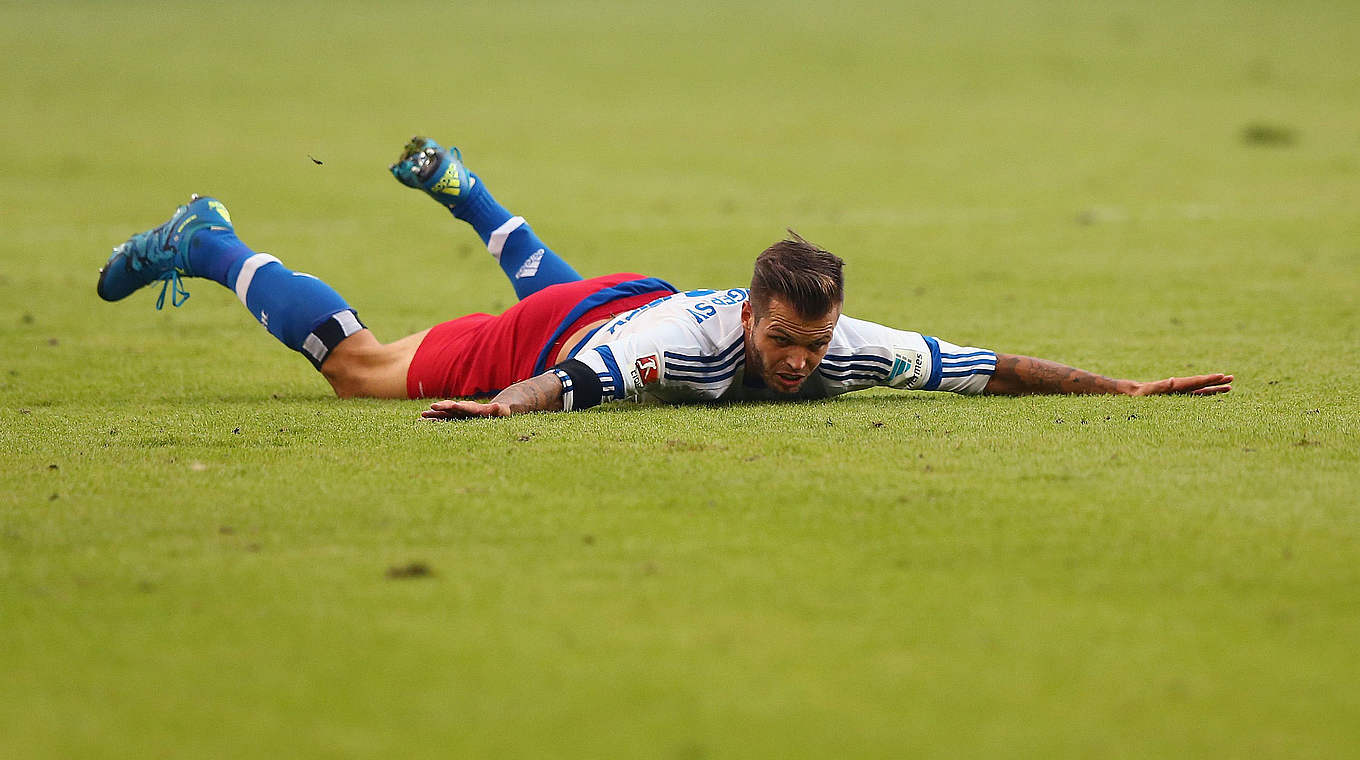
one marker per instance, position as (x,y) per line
(572,343)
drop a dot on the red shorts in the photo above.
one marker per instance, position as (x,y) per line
(481,354)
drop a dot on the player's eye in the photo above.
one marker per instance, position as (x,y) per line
(780,340)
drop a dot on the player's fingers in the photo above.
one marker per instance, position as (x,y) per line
(1206,382)
(453,410)
(1191,384)
(1182,384)
(1211,390)
(442,414)
(474,409)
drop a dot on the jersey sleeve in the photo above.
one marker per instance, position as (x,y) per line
(664,355)
(961,369)
(866,354)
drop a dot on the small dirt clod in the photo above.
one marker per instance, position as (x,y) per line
(410,570)
(1269,135)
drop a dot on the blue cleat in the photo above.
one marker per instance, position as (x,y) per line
(426,166)
(161,253)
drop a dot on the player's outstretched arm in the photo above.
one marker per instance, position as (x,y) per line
(1025,376)
(537,394)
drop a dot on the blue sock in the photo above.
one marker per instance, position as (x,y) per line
(530,265)
(304,313)
(213,253)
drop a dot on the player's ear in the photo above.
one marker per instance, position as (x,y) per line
(746,316)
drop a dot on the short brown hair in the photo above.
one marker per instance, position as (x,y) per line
(808,278)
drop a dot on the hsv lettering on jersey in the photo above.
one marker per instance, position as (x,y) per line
(690,347)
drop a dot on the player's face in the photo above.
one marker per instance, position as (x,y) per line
(784,348)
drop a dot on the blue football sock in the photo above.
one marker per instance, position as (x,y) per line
(304,313)
(530,265)
(214,252)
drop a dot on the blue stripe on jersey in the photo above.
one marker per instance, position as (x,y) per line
(708,370)
(853,376)
(722,357)
(703,378)
(933,382)
(967,364)
(860,366)
(828,367)
(987,363)
(672,364)
(842,367)
(878,371)
(981,369)
(948,357)
(866,366)
(691,371)
(608,356)
(842,358)
(611,293)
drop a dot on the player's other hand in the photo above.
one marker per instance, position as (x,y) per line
(461,410)
(1199,385)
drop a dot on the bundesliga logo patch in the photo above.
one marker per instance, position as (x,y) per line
(648,369)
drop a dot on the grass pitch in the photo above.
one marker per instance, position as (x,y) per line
(202,554)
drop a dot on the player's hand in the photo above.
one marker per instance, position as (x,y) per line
(461,410)
(1199,385)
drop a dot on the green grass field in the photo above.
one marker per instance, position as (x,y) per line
(203,554)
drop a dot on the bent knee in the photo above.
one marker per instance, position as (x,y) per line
(349,386)
(366,371)
(350,380)
(346,380)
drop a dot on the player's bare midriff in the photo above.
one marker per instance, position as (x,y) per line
(575,339)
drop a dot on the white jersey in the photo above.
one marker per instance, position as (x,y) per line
(690,347)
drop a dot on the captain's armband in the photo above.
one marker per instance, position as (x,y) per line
(581,387)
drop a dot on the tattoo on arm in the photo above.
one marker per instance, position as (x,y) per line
(537,394)
(1025,375)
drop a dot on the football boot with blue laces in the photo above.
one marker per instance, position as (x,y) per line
(161,253)
(438,171)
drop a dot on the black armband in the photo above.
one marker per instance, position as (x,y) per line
(581,388)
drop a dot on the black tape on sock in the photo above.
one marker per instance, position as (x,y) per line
(329,334)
